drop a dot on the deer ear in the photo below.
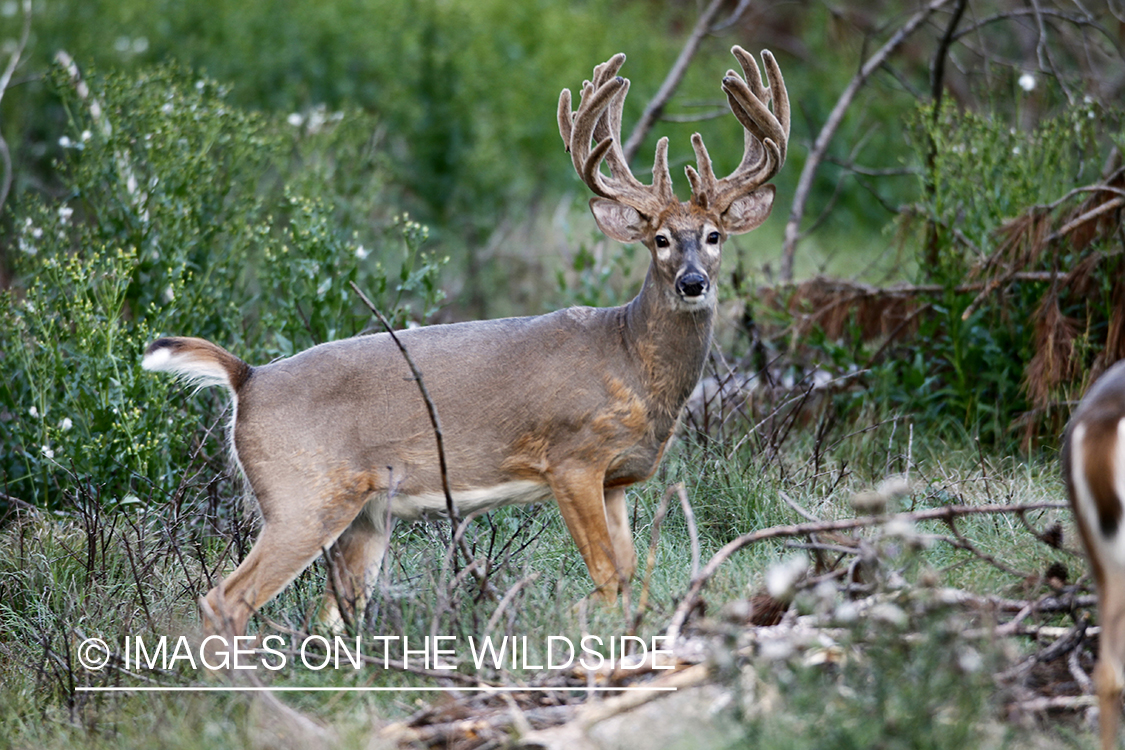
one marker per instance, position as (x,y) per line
(749,211)
(618,221)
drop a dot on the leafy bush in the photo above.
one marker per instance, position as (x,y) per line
(178,210)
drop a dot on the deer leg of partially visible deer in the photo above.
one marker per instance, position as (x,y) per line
(1111,655)
(617,516)
(354,567)
(581,498)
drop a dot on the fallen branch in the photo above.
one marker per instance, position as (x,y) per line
(947,514)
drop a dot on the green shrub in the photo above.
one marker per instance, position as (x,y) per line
(184,215)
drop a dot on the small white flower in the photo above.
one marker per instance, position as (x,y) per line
(65,142)
(781,579)
(1015,150)
(362,252)
(1027,82)
(65,212)
(86,135)
(295,119)
(889,613)
(199,85)
(65,424)
(168,295)
(33,412)
(48,452)
(168,108)
(970,661)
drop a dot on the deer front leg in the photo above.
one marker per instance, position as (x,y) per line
(617,514)
(581,499)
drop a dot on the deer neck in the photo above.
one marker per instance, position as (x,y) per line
(671,345)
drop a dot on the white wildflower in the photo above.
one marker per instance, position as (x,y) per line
(86,135)
(168,108)
(48,452)
(888,613)
(33,412)
(361,252)
(65,212)
(781,579)
(1027,82)
(168,295)
(65,142)
(65,424)
(969,660)
(295,119)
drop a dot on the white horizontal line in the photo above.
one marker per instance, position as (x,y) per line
(296,689)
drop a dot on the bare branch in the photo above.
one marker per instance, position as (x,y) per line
(820,146)
(947,514)
(5,80)
(671,81)
(430,408)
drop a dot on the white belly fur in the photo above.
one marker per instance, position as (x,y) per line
(414,507)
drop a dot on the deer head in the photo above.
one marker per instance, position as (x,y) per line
(684,239)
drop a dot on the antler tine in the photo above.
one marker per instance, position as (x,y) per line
(766,133)
(598,119)
(566,118)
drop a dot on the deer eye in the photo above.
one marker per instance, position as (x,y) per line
(662,241)
(713,238)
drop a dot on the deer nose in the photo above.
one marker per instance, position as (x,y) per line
(691,284)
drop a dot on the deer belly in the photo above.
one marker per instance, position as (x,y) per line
(521,492)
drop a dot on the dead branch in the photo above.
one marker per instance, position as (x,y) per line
(430,408)
(656,105)
(5,80)
(947,514)
(820,146)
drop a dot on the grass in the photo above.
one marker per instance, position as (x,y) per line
(89,571)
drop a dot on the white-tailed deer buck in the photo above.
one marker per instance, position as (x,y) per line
(1093,464)
(576,405)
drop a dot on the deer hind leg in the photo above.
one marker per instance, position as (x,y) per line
(293,535)
(582,502)
(353,569)
(620,532)
(1108,680)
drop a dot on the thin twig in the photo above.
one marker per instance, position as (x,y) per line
(430,408)
(693,533)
